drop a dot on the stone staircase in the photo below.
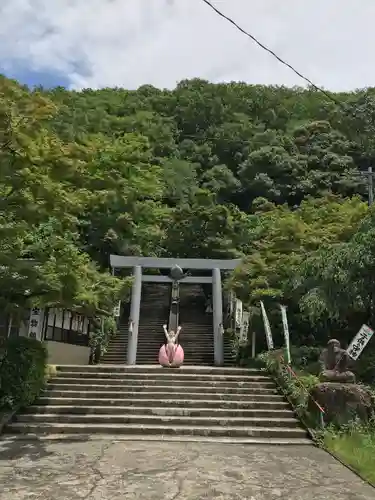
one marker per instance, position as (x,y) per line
(118,346)
(154,312)
(154,403)
(155,303)
(196,337)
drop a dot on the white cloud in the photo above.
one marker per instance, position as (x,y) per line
(98,43)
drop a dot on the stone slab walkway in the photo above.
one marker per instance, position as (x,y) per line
(108,469)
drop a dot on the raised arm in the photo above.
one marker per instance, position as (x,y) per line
(165,331)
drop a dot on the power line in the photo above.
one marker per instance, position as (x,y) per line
(344,107)
(273,54)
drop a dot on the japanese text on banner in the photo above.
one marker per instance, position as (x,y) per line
(360,341)
(267,327)
(238,313)
(244,325)
(286,332)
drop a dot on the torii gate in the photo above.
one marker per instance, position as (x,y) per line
(214,265)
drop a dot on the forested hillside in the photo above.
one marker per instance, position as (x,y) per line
(206,170)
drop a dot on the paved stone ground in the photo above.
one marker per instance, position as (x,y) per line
(109,469)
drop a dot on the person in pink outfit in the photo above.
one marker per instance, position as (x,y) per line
(171,354)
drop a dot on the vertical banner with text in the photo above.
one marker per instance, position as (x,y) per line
(117,309)
(267,327)
(244,326)
(360,341)
(286,332)
(238,313)
(35,323)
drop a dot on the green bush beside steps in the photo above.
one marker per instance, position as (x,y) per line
(23,363)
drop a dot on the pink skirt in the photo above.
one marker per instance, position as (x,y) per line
(171,355)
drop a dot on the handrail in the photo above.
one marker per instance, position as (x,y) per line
(305,388)
(293,374)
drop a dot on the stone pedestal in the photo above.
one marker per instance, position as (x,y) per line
(343,402)
(336,376)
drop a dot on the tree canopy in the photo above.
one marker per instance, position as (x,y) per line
(269,174)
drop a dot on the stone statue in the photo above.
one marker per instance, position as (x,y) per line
(334,363)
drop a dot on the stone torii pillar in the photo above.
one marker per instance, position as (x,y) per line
(217,307)
(134,316)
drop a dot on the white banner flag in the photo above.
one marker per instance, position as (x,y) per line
(232,300)
(117,309)
(360,341)
(286,332)
(238,313)
(36,323)
(244,325)
(267,327)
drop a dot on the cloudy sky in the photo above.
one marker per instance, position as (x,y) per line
(127,43)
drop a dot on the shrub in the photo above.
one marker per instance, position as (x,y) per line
(50,372)
(297,389)
(104,329)
(241,350)
(364,368)
(306,358)
(22,372)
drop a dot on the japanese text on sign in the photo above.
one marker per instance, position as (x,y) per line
(267,327)
(360,341)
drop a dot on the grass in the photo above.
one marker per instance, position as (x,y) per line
(355,446)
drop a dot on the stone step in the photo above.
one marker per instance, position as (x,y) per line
(196,337)
(120,394)
(203,341)
(219,413)
(178,383)
(155,325)
(190,349)
(256,441)
(152,357)
(58,385)
(113,355)
(197,330)
(117,348)
(151,349)
(150,346)
(169,375)
(111,362)
(188,362)
(133,429)
(117,354)
(197,353)
(256,405)
(120,354)
(153,369)
(145,420)
(113,349)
